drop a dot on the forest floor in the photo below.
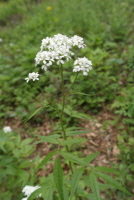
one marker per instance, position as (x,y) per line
(98,138)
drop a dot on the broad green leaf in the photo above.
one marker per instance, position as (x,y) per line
(50,138)
(72,141)
(94,186)
(90,157)
(58,177)
(49,194)
(26,141)
(75,180)
(35,194)
(73,158)
(106,169)
(78,132)
(46,159)
(112,182)
(65,109)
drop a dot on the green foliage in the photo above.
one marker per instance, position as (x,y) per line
(75,180)
(112,63)
(94,186)
(109,38)
(14,161)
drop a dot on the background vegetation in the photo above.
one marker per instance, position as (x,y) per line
(108,30)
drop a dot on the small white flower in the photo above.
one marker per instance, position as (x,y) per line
(78,41)
(82,64)
(34,76)
(44,67)
(7,129)
(1,40)
(28,190)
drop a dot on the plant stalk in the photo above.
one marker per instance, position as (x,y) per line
(62,112)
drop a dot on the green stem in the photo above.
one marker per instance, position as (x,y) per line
(73,82)
(62,112)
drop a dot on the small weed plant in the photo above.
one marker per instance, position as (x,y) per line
(82,180)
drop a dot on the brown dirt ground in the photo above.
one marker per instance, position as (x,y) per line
(99,139)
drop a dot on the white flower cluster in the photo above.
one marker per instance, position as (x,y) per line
(34,76)
(7,129)
(28,190)
(82,64)
(57,50)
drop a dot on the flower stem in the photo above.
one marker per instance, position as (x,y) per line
(73,82)
(62,112)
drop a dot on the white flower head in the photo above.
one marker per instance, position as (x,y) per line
(28,190)
(82,64)
(1,40)
(34,76)
(57,50)
(78,41)
(7,129)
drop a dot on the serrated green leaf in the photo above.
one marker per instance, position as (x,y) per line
(72,141)
(79,132)
(90,157)
(46,159)
(58,177)
(74,113)
(72,158)
(50,138)
(49,194)
(112,182)
(75,181)
(35,194)
(106,169)
(81,115)
(94,186)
